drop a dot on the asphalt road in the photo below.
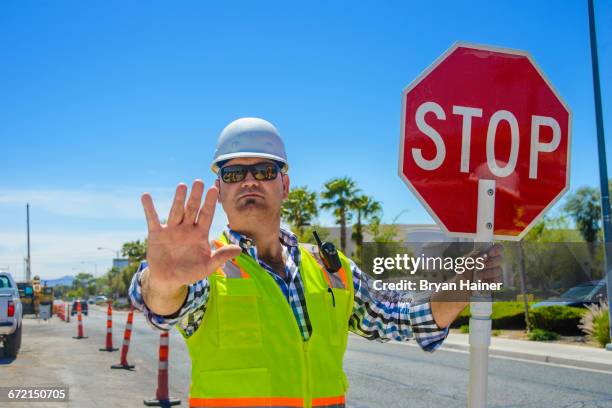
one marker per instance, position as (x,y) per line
(389,375)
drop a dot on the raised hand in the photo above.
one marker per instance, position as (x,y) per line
(179,252)
(446,305)
(494,263)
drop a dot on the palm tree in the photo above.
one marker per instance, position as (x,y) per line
(366,208)
(300,208)
(338,194)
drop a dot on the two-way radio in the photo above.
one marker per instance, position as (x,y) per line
(329,254)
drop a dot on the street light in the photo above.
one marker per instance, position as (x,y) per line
(116,251)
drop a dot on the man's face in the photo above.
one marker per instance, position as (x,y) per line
(252,201)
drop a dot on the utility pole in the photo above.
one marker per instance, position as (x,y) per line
(603,166)
(28,259)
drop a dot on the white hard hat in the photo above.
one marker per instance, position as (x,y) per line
(250,137)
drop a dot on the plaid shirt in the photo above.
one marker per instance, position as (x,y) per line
(377,314)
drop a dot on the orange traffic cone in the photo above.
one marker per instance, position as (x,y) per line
(109,329)
(127,334)
(161,395)
(80,322)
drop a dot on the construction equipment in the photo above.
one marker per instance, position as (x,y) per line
(26,294)
(45,301)
(33,294)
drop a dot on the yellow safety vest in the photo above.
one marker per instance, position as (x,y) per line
(248,350)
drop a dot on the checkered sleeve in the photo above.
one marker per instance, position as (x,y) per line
(385,315)
(197,296)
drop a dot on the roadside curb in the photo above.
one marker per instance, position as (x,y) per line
(542,358)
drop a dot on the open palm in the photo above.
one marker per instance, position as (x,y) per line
(179,252)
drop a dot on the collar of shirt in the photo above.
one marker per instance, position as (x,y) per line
(289,243)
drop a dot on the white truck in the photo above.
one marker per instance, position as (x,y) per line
(10,315)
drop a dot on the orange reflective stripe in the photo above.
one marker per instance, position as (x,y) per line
(326,277)
(318,402)
(339,275)
(342,274)
(247,402)
(243,273)
(218,244)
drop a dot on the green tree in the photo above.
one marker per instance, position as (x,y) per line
(75,293)
(306,237)
(366,208)
(136,251)
(583,207)
(116,282)
(381,233)
(551,255)
(300,208)
(60,291)
(338,194)
(386,242)
(86,282)
(536,232)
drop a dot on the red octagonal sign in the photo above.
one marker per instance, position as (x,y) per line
(484,113)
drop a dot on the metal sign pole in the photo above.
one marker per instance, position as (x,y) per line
(603,166)
(480,302)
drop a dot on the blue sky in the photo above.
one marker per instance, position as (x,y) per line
(103,100)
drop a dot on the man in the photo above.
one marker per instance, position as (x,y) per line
(266,323)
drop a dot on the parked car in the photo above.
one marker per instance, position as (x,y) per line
(101,299)
(84,307)
(581,295)
(10,315)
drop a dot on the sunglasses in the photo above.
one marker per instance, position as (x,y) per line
(237,172)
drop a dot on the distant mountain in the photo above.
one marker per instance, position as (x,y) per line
(64,280)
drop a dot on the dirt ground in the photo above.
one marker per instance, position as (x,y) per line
(50,356)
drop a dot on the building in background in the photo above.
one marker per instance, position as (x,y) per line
(120,263)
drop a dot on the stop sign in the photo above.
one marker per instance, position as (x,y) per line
(484,113)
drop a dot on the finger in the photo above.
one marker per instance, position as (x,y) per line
(177,210)
(494,262)
(472,254)
(493,274)
(224,254)
(150,213)
(207,211)
(495,250)
(193,204)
